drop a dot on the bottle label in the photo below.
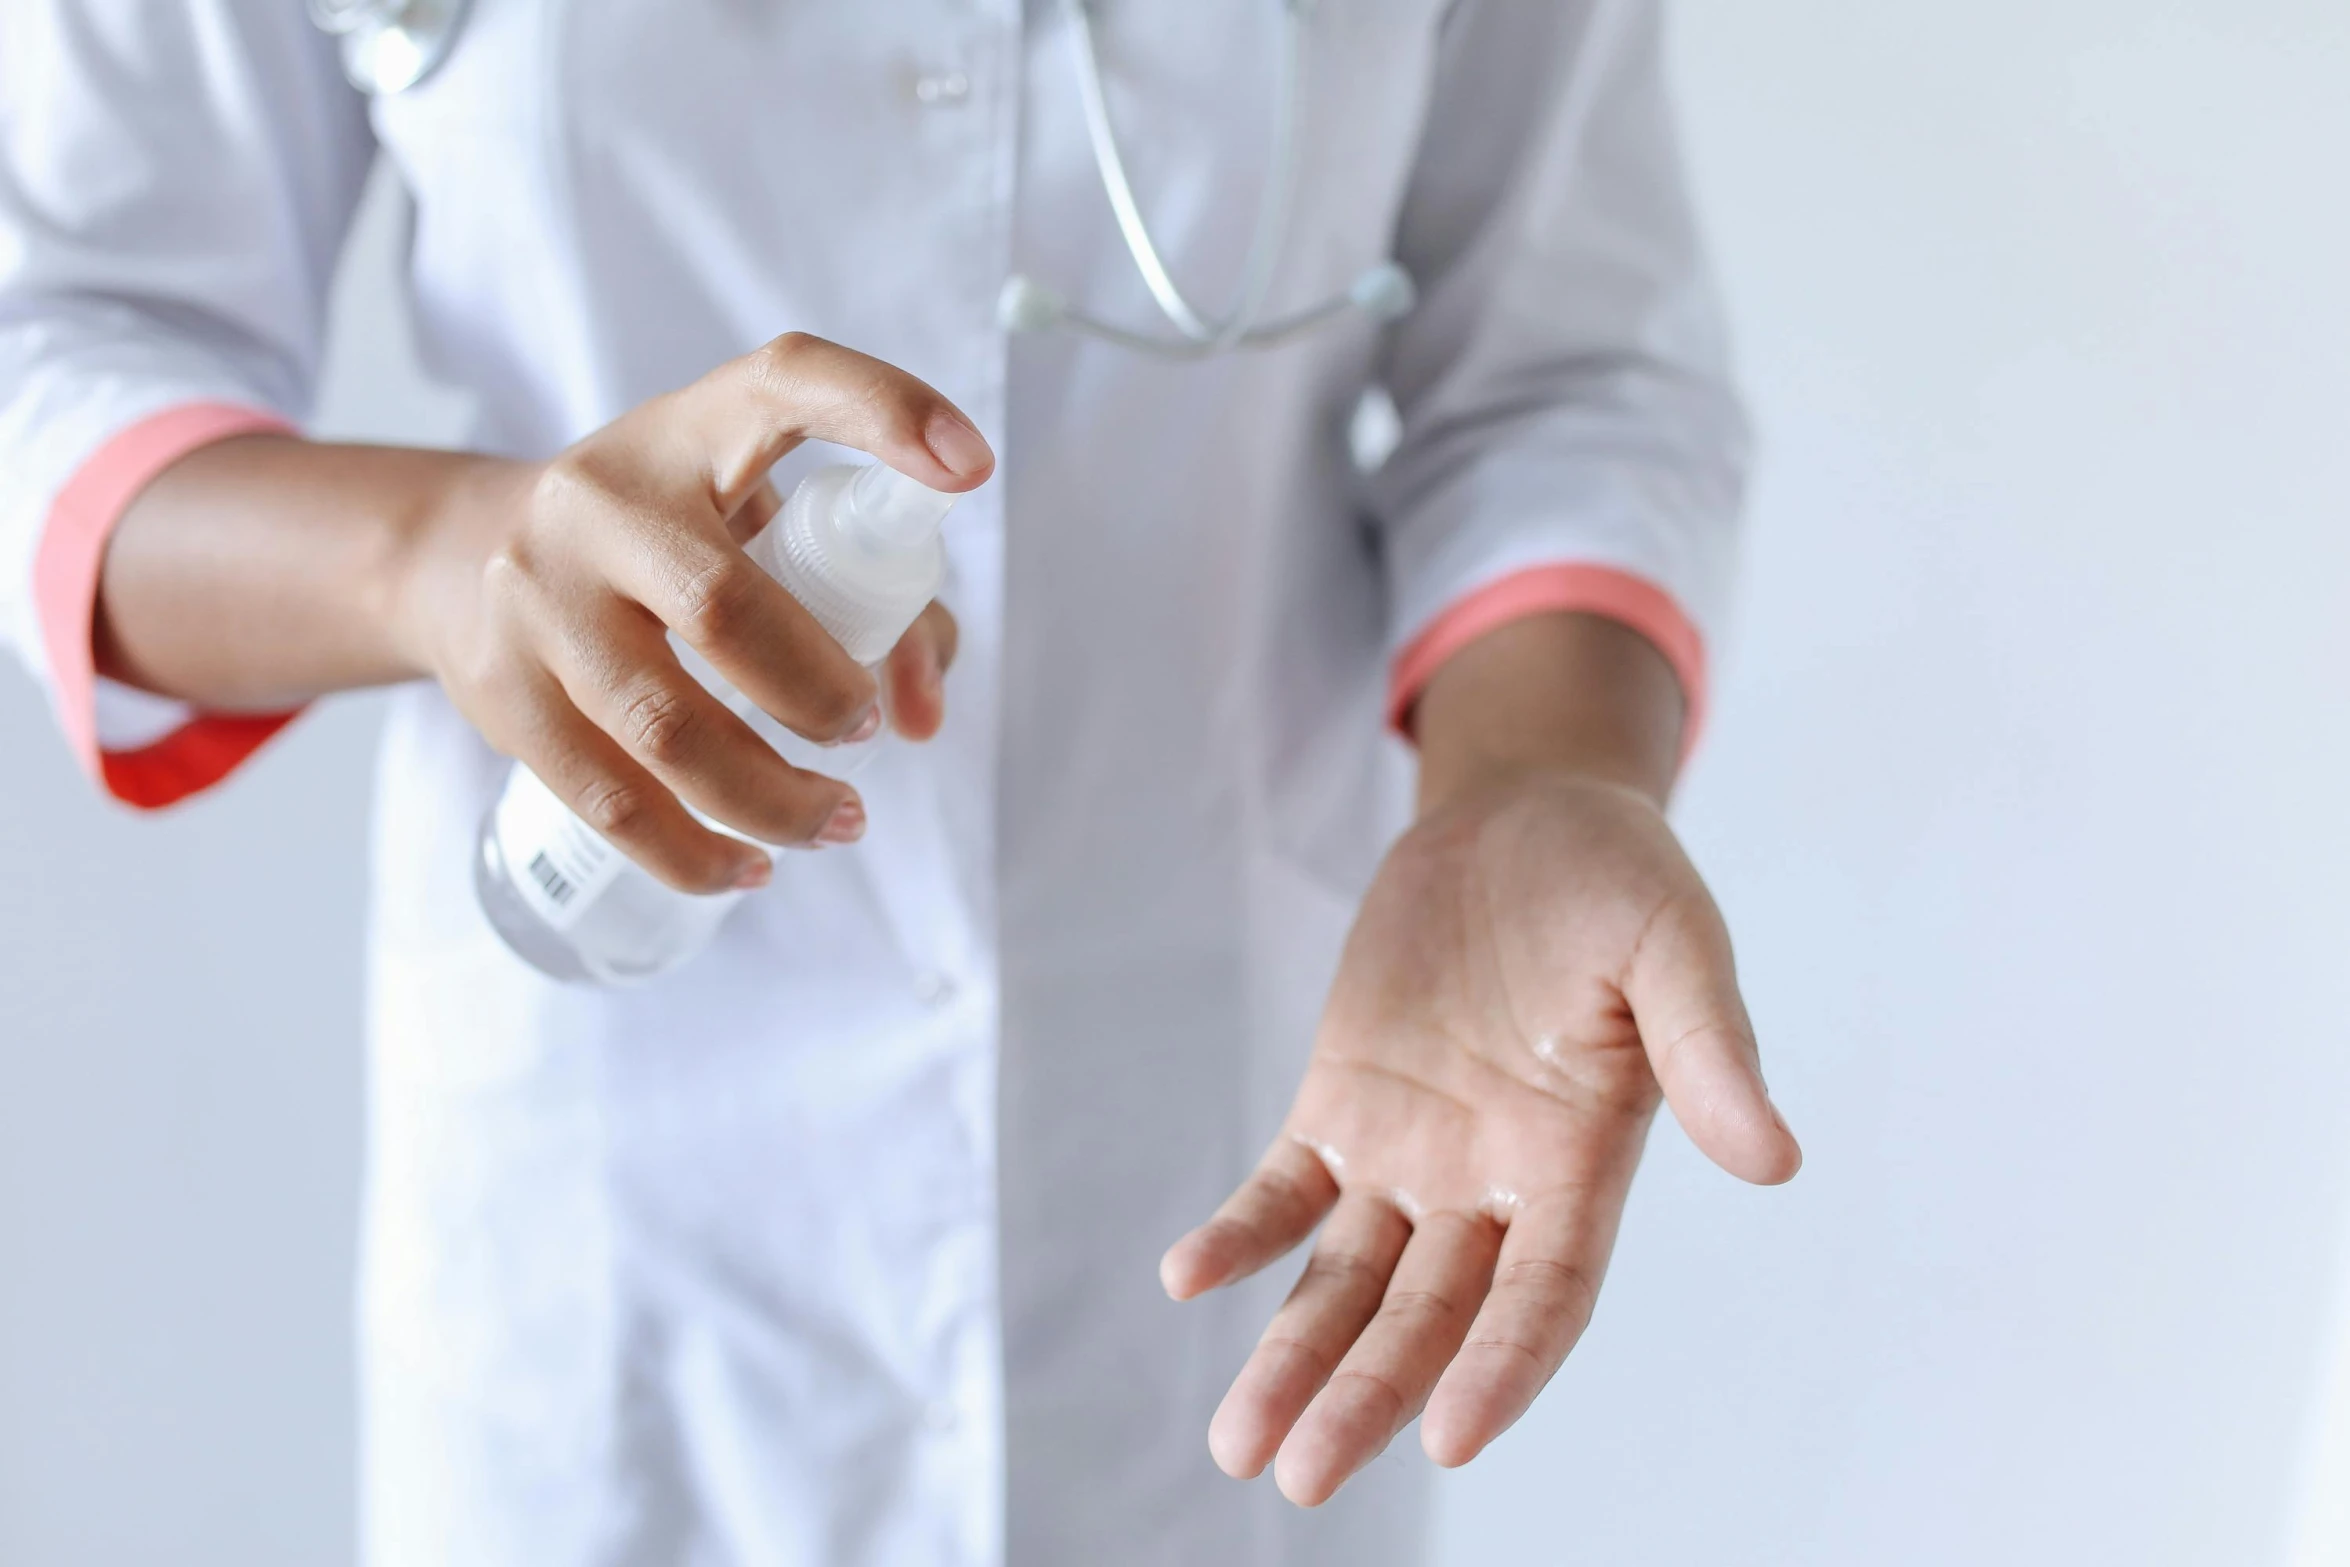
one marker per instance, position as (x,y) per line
(558,863)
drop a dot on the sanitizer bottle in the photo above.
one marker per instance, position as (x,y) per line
(859,547)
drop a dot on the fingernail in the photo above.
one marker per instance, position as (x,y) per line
(754,875)
(847,824)
(954,443)
(867,727)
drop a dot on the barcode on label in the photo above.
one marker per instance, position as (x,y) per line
(556,885)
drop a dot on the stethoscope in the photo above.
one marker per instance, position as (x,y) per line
(389,46)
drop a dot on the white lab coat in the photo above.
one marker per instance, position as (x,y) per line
(839,1245)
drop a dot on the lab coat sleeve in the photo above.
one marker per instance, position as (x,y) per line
(176,179)
(1569,437)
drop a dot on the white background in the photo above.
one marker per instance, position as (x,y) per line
(2025,796)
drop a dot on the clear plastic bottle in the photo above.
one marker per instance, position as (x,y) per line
(859,547)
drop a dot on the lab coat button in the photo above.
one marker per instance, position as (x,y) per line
(936,87)
(934,989)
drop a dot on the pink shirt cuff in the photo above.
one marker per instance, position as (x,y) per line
(1539,590)
(72,550)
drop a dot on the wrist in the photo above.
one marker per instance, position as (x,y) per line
(1548,696)
(438,540)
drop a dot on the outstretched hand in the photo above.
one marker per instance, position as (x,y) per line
(1533,964)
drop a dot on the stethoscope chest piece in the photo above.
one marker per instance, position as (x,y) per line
(390,45)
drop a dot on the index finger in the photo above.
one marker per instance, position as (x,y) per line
(706,452)
(1274,1209)
(726,430)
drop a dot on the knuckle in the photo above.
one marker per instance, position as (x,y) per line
(714,602)
(628,815)
(660,724)
(1314,1355)
(1508,1346)
(509,578)
(567,485)
(498,678)
(776,364)
(1559,1285)
(1379,1387)
(517,580)
(1343,1270)
(1418,1306)
(618,810)
(1281,1191)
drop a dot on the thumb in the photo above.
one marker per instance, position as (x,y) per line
(1683,990)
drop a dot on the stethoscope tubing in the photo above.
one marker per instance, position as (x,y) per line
(1274,206)
(391,45)
(1384,293)
(1268,335)
(337,17)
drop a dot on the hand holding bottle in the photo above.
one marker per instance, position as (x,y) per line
(542,597)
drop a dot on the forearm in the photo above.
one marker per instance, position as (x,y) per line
(1551,693)
(259,572)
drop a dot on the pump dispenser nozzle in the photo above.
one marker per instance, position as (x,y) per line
(885,510)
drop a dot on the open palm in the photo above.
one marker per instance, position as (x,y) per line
(1530,969)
